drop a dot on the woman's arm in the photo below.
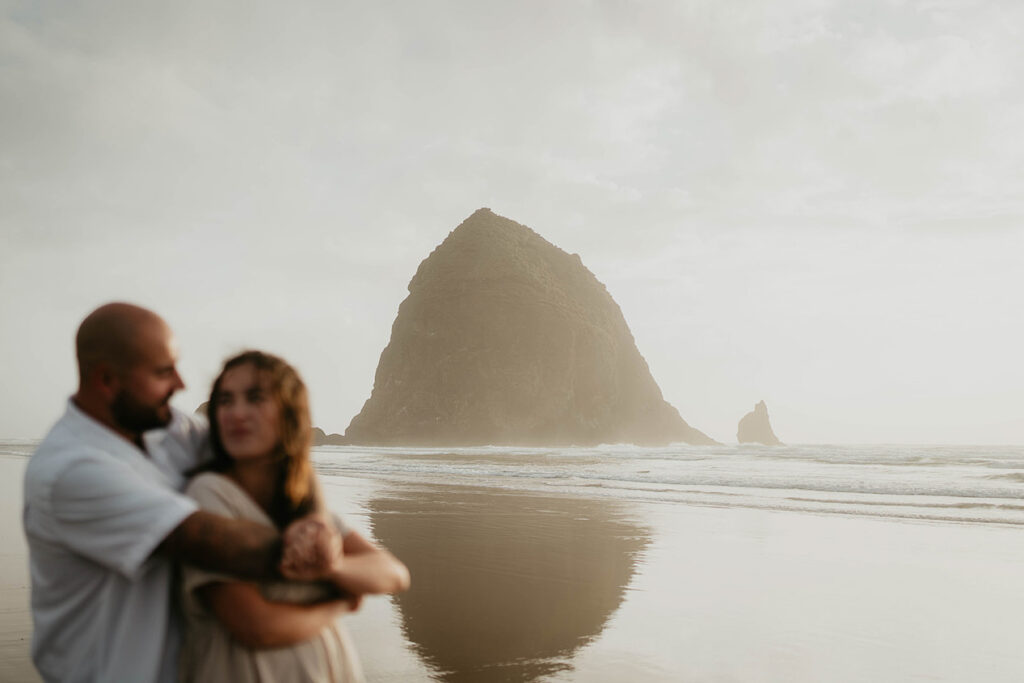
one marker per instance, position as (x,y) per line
(259,624)
(367,568)
(315,551)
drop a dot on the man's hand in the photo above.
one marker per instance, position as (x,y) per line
(312,549)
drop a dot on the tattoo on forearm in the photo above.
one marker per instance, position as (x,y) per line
(214,543)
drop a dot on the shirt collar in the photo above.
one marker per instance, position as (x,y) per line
(98,432)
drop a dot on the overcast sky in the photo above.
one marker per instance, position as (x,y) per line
(818,204)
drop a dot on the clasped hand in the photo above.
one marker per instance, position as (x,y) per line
(313,549)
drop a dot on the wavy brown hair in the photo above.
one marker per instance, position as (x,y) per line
(294,494)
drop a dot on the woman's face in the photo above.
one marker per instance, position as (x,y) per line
(247,415)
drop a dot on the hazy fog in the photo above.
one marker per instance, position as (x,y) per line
(818,204)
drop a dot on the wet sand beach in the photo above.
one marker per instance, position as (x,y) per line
(517,585)
(15,618)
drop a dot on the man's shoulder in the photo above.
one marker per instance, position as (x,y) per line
(60,448)
(188,424)
(59,462)
(185,441)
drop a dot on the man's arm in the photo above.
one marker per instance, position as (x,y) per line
(241,548)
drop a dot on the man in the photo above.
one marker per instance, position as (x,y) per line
(105,519)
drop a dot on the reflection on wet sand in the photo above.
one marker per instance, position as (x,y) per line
(505,587)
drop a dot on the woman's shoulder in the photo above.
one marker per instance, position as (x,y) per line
(208,481)
(217,493)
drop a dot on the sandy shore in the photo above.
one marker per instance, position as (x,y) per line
(15,619)
(513,586)
(516,586)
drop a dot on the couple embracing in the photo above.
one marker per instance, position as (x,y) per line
(163,549)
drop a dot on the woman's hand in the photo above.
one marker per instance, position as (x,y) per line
(313,549)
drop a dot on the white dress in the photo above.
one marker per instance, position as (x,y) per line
(209,653)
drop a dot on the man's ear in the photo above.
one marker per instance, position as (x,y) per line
(107,379)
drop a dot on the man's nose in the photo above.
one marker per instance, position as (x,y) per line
(179,383)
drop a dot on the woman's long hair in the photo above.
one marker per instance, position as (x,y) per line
(294,493)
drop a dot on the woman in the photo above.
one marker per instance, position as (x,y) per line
(261,436)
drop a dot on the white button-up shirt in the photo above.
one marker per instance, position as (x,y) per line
(95,509)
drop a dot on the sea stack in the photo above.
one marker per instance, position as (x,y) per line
(754,427)
(505,339)
(322,438)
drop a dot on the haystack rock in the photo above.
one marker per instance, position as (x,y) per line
(506,339)
(754,427)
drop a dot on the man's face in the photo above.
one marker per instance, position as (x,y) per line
(142,401)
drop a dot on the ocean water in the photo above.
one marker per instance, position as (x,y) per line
(959,484)
(968,484)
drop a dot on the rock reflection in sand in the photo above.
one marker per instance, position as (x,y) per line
(505,587)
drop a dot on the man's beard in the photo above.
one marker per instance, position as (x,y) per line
(136,417)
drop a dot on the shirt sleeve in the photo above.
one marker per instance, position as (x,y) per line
(191,435)
(109,513)
(212,496)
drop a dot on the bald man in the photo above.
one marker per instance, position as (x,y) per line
(104,516)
